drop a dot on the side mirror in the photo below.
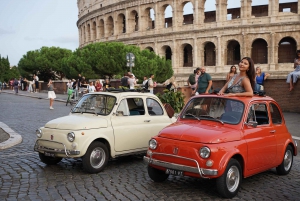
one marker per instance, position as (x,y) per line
(251,123)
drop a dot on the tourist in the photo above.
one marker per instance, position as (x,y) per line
(51,94)
(260,78)
(293,76)
(231,73)
(204,83)
(243,83)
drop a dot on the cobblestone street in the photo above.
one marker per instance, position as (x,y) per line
(24,177)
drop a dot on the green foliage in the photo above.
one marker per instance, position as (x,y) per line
(175,99)
(7,73)
(109,59)
(45,62)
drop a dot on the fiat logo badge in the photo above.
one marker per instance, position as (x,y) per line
(175,151)
(51,137)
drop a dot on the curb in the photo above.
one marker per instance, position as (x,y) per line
(14,138)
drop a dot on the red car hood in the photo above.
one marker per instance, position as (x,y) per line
(202,132)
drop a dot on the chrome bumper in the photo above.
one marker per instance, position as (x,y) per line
(68,153)
(201,171)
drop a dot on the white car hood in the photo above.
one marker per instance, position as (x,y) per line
(77,122)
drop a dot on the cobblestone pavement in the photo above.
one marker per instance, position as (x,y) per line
(24,177)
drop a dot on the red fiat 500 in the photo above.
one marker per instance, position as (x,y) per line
(223,138)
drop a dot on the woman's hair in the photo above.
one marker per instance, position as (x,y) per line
(258,68)
(297,52)
(251,71)
(230,71)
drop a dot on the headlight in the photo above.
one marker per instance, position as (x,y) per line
(204,152)
(71,136)
(152,144)
(39,133)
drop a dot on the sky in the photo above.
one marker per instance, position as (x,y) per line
(28,25)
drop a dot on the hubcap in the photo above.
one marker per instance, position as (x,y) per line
(233,179)
(287,160)
(97,158)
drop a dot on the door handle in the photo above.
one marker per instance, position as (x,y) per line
(147,120)
(273,131)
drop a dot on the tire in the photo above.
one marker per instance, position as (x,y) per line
(49,160)
(286,165)
(229,183)
(96,158)
(157,175)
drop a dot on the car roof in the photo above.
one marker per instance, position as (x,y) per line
(245,99)
(125,93)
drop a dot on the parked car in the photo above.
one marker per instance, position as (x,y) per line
(226,138)
(103,125)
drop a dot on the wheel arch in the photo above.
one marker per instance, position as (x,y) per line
(237,156)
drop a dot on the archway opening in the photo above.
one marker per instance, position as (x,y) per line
(233,52)
(168,16)
(188,56)
(260,8)
(233,9)
(210,11)
(260,51)
(210,54)
(287,50)
(110,26)
(188,13)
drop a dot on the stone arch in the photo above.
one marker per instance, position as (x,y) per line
(166,20)
(88,32)
(121,24)
(259,51)
(149,48)
(209,16)
(187,17)
(133,21)
(291,7)
(94,31)
(167,52)
(109,26)
(187,55)
(287,47)
(233,13)
(84,34)
(233,52)
(149,18)
(259,11)
(209,54)
(101,28)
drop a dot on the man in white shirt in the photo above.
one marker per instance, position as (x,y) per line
(151,83)
(131,81)
(36,82)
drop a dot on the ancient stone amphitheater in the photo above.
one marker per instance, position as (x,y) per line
(270,33)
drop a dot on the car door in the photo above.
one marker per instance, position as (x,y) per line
(261,141)
(157,116)
(131,125)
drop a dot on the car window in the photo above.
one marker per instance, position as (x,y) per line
(131,107)
(275,114)
(227,110)
(95,103)
(154,108)
(258,113)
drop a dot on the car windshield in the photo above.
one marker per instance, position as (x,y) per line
(214,108)
(99,104)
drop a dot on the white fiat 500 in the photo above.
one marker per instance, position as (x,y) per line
(103,125)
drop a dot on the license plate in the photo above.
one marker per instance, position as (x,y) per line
(49,154)
(174,172)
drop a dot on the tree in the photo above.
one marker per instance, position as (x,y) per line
(7,73)
(46,62)
(109,59)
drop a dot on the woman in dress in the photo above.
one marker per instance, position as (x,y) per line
(51,94)
(293,76)
(231,73)
(260,78)
(98,86)
(243,83)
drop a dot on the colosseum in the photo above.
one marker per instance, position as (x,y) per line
(217,39)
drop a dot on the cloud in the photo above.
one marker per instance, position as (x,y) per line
(3,31)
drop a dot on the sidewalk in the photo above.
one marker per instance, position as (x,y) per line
(291,119)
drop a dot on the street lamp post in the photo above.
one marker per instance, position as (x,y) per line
(130,60)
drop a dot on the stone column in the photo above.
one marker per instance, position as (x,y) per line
(175,56)
(201,14)
(298,8)
(128,29)
(158,18)
(272,52)
(273,10)
(246,10)
(174,15)
(219,52)
(221,11)
(196,13)
(195,55)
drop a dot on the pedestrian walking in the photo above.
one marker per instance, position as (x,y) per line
(36,82)
(16,86)
(51,93)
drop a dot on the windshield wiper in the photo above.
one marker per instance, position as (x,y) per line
(212,118)
(189,114)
